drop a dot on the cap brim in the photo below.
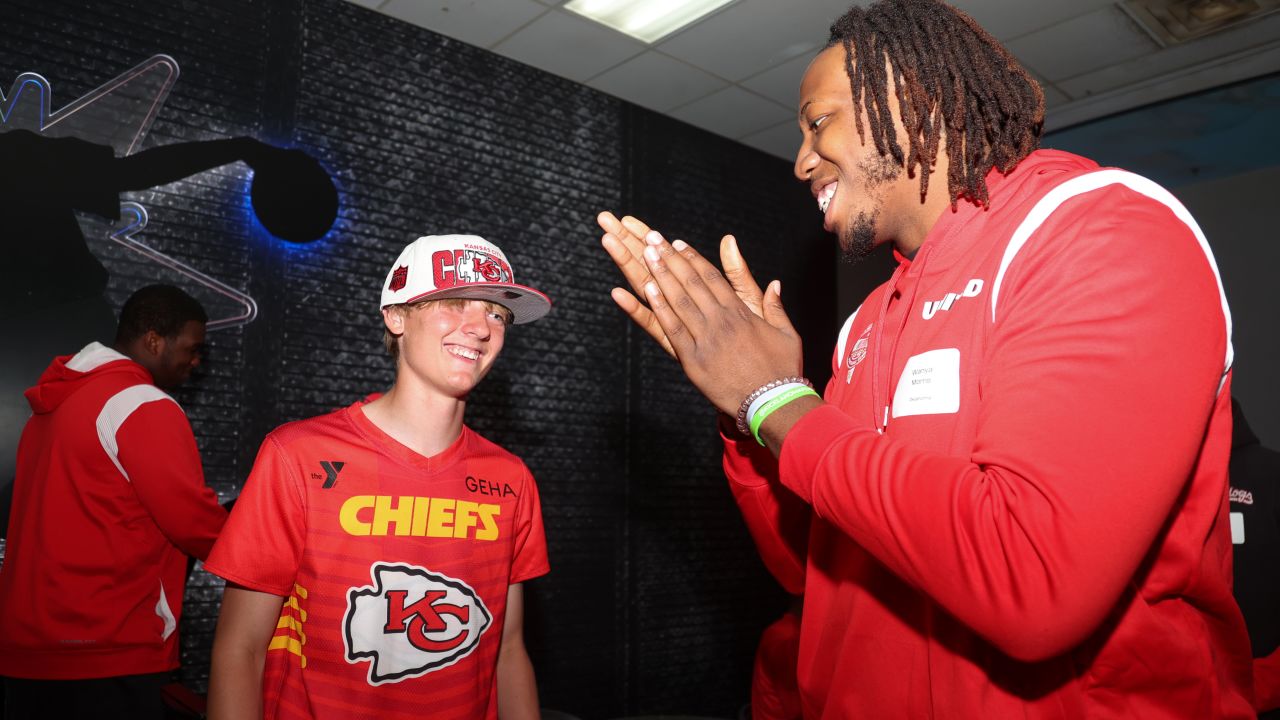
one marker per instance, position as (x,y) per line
(525,303)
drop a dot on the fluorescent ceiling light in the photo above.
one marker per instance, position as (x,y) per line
(645,20)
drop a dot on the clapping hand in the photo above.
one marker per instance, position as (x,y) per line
(729,337)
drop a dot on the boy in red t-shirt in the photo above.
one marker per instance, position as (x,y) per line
(374,560)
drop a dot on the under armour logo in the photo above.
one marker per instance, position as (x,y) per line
(331,469)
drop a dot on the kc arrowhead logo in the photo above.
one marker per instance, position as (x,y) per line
(411,621)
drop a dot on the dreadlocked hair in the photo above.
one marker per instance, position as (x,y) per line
(952,80)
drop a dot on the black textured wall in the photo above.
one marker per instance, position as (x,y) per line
(656,597)
(696,586)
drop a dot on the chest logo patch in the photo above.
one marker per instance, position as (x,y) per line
(858,353)
(331,469)
(931,307)
(411,621)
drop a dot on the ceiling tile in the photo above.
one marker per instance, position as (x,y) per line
(1262,32)
(569,46)
(1251,63)
(732,112)
(781,83)
(1053,97)
(781,140)
(751,36)
(1091,63)
(1007,19)
(477,22)
(657,82)
(1099,39)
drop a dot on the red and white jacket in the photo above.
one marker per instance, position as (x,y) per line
(109,499)
(1017,489)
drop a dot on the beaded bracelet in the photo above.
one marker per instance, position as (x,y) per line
(742,425)
(791,392)
(767,396)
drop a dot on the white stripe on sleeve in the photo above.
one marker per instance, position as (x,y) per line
(844,338)
(117,410)
(1093,181)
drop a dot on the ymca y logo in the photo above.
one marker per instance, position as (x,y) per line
(411,621)
(331,469)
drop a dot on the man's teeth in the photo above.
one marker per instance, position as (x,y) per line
(465,352)
(824,197)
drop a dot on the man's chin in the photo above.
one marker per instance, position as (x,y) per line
(858,240)
(170,384)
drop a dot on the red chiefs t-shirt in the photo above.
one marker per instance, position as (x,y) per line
(395,568)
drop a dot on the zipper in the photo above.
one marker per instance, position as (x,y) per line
(909,304)
(876,341)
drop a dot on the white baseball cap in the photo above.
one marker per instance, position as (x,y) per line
(435,267)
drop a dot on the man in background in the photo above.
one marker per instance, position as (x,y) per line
(109,500)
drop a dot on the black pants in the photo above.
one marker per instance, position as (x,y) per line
(126,697)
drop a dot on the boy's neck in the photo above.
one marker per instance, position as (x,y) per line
(424,421)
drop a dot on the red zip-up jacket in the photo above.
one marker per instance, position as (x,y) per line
(1017,487)
(108,501)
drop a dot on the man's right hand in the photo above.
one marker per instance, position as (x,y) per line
(624,241)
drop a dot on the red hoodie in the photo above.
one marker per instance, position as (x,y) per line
(1017,489)
(109,498)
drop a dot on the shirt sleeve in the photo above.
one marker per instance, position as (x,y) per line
(158,452)
(529,548)
(1266,682)
(261,546)
(1102,370)
(776,518)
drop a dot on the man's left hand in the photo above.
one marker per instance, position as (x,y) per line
(726,349)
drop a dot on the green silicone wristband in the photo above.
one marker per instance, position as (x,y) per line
(768,408)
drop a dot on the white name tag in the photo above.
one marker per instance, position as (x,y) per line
(929,384)
(1237,528)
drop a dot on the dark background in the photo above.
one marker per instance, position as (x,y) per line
(656,597)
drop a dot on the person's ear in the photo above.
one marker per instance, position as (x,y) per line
(153,342)
(393,317)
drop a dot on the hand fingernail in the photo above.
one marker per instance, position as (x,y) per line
(651,254)
(653,237)
(680,245)
(651,289)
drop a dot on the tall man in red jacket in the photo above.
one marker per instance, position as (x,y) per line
(109,499)
(1016,478)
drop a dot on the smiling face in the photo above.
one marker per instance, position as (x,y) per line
(449,345)
(860,192)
